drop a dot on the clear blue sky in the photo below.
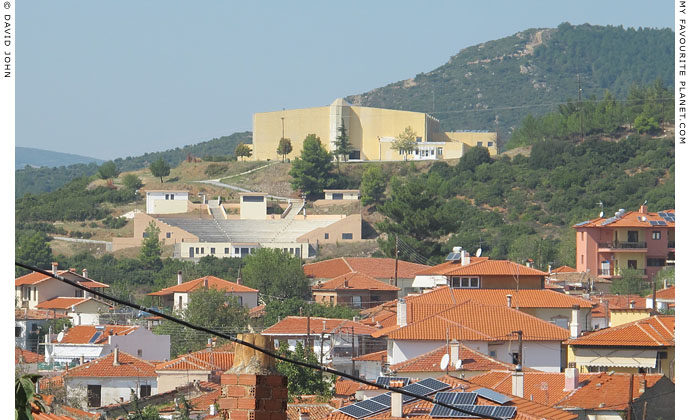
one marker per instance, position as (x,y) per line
(114,79)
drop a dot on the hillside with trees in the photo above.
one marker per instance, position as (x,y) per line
(496,84)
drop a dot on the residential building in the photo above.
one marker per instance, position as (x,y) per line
(167,201)
(357,290)
(89,342)
(29,325)
(176,297)
(371,132)
(641,240)
(334,341)
(82,311)
(614,310)
(647,345)
(476,326)
(204,365)
(341,195)
(464,272)
(27,361)
(111,379)
(665,299)
(371,365)
(382,269)
(34,288)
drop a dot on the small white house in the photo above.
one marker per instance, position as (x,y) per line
(177,297)
(341,194)
(111,379)
(167,201)
(83,311)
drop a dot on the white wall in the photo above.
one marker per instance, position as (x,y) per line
(152,346)
(111,388)
(407,349)
(369,369)
(157,204)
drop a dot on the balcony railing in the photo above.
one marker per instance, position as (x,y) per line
(624,245)
(605,272)
(618,272)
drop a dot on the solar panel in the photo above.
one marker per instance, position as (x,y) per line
(384,399)
(453,256)
(663,214)
(355,411)
(608,221)
(407,398)
(386,380)
(96,336)
(465,398)
(657,223)
(484,410)
(417,389)
(582,223)
(504,412)
(492,395)
(434,384)
(372,406)
(445,397)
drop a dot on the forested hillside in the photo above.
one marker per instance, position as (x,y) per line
(39,180)
(496,84)
(38,157)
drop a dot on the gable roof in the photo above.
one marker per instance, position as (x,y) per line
(470,321)
(24,313)
(481,266)
(82,334)
(213,282)
(199,360)
(668,293)
(378,268)
(376,356)
(345,387)
(35,277)
(297,325)
(564,269)
(66,303)
(316,411)
(26,356)
(129,366)
(431,362)
(629,219)
(355,281)
(655,331)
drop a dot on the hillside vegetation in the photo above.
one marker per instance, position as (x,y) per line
(38,157)
(496,84)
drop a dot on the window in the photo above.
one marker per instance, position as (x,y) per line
(298,252)
(492,353)
(239,299)
(656,262)
(202,249)
(172,196)
(337,196)
(179,302)
(168,235)
(292,250)
(325,236)
(331,299)
(253,198)
(561,322)
(167,196)
(582,259)
(144,391)
(375,298)
(419,139)
(197,250)
(347,236)
(213,250)
(244,251)
(237,250)
(356,301)
(632,236)
(439,150)
(139,353)
(656,235)
(582,236)
(93,395)
(632,264)
(515,357)
(227,250)
(489,143)
(464,282)
(145,235)
(479,144)
(17,331)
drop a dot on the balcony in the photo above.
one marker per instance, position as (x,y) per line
(609,272)
(617,245)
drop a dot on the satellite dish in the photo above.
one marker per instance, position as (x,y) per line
(60,336)
(444,361)
(479,253)
(601,214)
(458,364)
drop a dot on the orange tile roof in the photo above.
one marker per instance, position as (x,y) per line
(316,411)
(213,282)
(50,416)
(376,356)
(655,331)
(297,325)
(49,383)
(526,410)
(629,219)
(470,321)
(383,315)
(257,311)
(481,266)
(613,390)
(355,281)
(667,293)
(26,356)
(129,366)
(79,413)
(20,314)
(431,362)
(34,277)
(564,269)
(65,303)
(81,334)
(378,268)
(199,360)
(346,387)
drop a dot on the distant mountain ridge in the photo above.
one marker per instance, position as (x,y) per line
(47,158)
(496,84)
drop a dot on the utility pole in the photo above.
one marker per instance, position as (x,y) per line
(282,121)
(353,349)
(309,346)
(579,104)
(396,260)
(519,363)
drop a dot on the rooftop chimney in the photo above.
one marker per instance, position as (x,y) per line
(211,409)
(643,386)
(529,262)
(206,282)
(304,414)
(518,388)
(454,352)
(55,267)
(572,379)
(396,400)
(465,257)
(632,304)
(643,209)
(116,357)
(574,324)
(402,312)
(85,273)
(509,299)
(179,277)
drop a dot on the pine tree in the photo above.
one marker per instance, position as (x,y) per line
(150,254)
(284,147)
(311,172)
(342,143)
(160,168)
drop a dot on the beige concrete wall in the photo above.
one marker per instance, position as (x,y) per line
(350,224)
(368,124)
(299,123)
(169,235)
(169,380)
(169,206)
(347,195)
(620,317)
(488,140)
(251,209)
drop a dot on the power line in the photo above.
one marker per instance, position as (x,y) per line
(250,345)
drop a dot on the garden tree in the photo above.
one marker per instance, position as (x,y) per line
(295,306)
(148,413)
(108,170)
(373,185)
(631,283)
(311,172)
(25,396)
(160,168)
(473,158)
(132,182)
(302,380)
(276,274)
(242,150)
(284,147)
(405,142)
(342,143)
(150,253)
(32,248)
(210,308)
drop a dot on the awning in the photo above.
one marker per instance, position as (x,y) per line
(428,282)
(615,357)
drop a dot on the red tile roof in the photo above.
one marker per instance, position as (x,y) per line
(316,411)
(481,266)
(26,356)
(35,277)
(79,413)
(50,416)
(655,331)
(383,315)
(564,269)
(199,360)
(20,314)
(257,311)
(470,321)
(354,281)
(346,387)
(297,325)
(667,293)
(629,219)
(50,383)
(431,362)
(129,366)
(378,268)
(213,282)
(65,303)
(81,334)
(376,356)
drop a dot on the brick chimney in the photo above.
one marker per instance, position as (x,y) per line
(572,379)
(643,209)
(179,277)
(54,266)
(252,389)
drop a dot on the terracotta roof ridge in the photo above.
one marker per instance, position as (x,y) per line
(655,330)
(671,333)
(347,264)
(461,326)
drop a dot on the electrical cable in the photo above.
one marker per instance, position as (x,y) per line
(250,345)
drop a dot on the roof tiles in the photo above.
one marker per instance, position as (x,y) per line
(82,334)
(212,282)
(378,268)
(199,360)
(26,356)
(129,366)
(354,281)
(431,362)
(655,331)
(629,219)
(297,325)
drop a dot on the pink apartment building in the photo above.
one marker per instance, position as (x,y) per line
(640,240)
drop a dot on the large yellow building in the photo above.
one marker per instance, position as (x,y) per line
(371,132)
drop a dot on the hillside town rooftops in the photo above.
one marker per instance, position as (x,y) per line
(354,281)
(126,366)
(199,360)
(481,266)
(378,268)
(297,325)
(633,219)
(431,362)
(65,303)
